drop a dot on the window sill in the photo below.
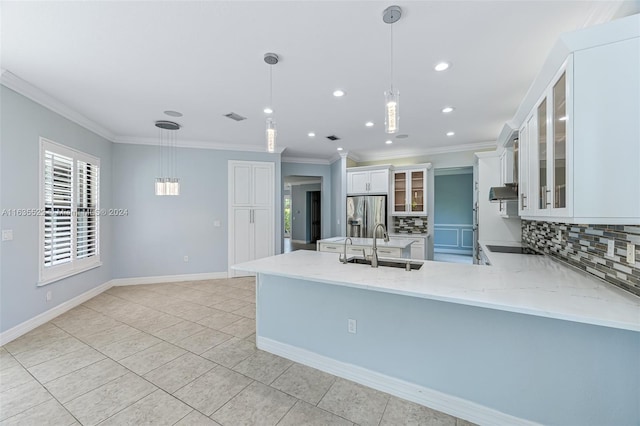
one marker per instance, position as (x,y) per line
(68,274)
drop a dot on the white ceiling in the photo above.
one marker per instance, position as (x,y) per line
(121,64)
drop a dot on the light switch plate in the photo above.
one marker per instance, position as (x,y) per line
(7,234)
(631,253)
(352,326)
(611,248)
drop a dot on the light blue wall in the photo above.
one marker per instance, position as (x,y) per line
(540,369)
(324,171)
(299,229)
(339,191)
(159,231)
(23,122)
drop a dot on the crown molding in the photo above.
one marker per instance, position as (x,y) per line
(305,160)
(429,151)
(194,144)
(15,83)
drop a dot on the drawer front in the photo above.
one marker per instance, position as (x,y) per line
(389,252)
(334,248)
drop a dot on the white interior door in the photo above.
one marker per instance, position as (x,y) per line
(263,231)
(242,237)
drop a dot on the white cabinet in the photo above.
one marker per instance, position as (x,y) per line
(251,217)
(579,132)
(360,250)
(367,180)
(409,194)
(508,208)
(551,143)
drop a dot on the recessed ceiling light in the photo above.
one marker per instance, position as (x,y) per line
(441,66)
(447,109)
(389,142)
(450,133)
(173,113)
(338,93)
(339,148)
(369,124)
(311,134)
(267,110)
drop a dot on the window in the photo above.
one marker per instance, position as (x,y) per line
(70,219)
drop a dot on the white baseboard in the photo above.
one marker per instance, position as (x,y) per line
(449,404)
(37,321)
(168,278)
(453,251)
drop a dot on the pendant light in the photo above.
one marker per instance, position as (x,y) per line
(271,59)
(168,183)
(391,15)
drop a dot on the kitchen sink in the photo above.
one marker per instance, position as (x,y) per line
(413,265)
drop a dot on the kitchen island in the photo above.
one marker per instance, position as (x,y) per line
(540,343)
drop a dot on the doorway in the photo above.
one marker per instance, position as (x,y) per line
(453,215)
(313,216)
(302,212)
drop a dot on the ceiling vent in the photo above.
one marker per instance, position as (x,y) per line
(333,138)
(234,116)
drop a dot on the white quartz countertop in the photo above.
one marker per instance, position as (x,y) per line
(533,285)
(395,243)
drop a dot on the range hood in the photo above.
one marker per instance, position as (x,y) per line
(504,193)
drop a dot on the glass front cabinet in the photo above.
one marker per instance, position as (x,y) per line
(409,192)
(546,139)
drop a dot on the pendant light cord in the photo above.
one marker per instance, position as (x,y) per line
(271,86)
(391,28)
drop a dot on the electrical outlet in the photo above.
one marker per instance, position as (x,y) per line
(49,296)
(216,223)
(611,248)
(7,234)
(352,325)
(560,234)
(186,258)
(631,253)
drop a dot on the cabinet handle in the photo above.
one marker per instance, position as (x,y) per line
(547,197)
(523,198)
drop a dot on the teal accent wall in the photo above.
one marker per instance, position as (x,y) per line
(453,227)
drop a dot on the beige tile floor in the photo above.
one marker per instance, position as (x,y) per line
(178,354)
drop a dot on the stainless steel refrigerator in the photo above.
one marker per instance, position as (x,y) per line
(363,213)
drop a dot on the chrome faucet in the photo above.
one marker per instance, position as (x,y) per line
(374,249)
(344,259)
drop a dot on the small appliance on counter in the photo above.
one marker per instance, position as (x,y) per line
(363,213)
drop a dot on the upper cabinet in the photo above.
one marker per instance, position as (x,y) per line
(368,180)
(579,141)
(551,150)
(409,193)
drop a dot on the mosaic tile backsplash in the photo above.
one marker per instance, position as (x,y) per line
(410,224)
(585,247)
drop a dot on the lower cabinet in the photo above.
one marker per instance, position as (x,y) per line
(356,250)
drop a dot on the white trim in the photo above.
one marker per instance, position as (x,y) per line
(168,278)
(449,404)
(453,251)
(25,327)
(69,273)
(27,90)
(196,144)
(462,238)
(430,151)
(449,230)
(302,160)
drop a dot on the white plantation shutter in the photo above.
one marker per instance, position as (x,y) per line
(58,207)
(86,208)
(69,228)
